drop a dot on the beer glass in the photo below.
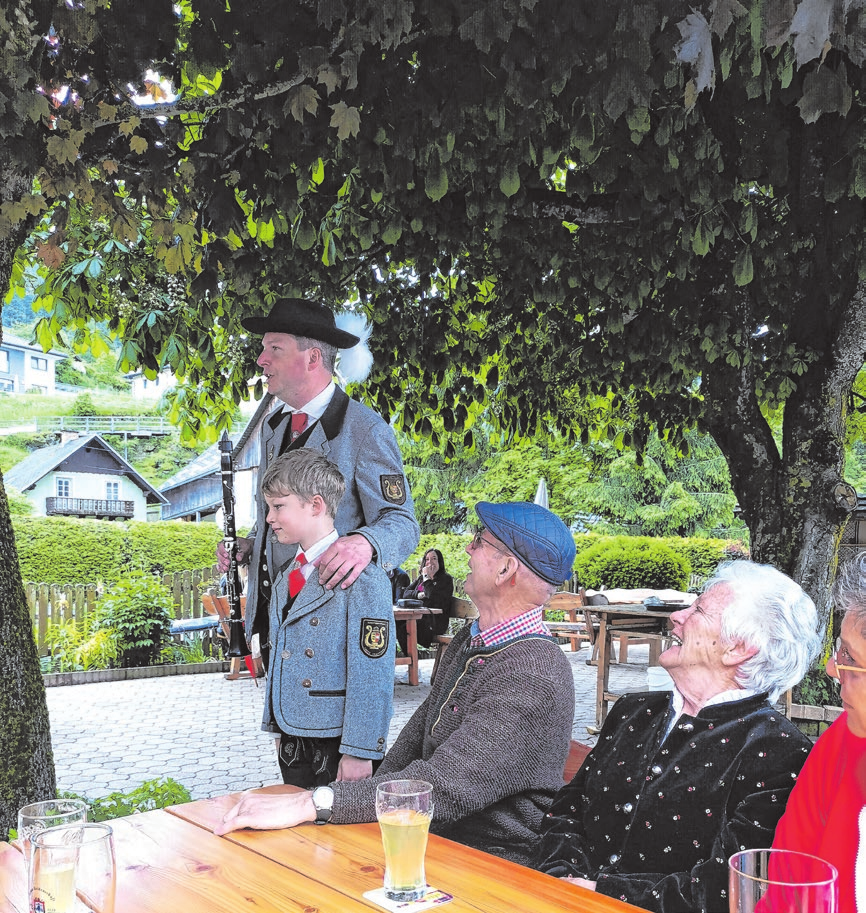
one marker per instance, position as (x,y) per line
(72,870)
(51,813)
(404,809)
(781,881)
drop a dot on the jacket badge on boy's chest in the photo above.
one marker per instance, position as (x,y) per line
(374,637)
(393,488)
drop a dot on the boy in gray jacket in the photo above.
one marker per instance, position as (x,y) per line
(331,678)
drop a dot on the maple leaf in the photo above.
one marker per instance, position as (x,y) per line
(346,119)
(109,166)
(50,254)
(302,98)
(329,78)
(128,126)
(811,29)
(696,48)
(138,144)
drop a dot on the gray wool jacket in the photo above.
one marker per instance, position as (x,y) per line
(492,737)
(332,663)
(377,503)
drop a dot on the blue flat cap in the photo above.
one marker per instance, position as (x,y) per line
(538,537)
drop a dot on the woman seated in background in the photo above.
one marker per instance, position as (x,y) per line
(434,588)
(826,811)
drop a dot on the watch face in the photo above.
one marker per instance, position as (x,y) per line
(323,797)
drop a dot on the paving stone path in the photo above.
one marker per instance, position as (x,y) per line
(203,731)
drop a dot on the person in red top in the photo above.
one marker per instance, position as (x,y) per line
(825,808)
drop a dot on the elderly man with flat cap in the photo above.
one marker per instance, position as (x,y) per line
(376,519)
(493,734)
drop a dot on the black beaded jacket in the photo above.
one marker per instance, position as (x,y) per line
(654,824)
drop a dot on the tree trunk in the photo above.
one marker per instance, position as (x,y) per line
(794,499)
(27,768)
(27,771)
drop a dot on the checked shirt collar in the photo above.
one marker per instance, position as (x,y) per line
(530,622)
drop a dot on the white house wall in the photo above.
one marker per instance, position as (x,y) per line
(87,485)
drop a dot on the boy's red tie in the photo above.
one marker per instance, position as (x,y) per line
(296,578)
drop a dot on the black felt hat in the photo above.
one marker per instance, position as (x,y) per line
(300,317)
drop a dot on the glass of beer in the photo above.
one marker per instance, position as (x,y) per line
(781,881)
(404,809)
(51,813)
(72,870)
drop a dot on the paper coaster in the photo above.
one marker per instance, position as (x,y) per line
(433,898)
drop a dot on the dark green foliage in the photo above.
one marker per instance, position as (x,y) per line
(817,689)
(150,795)
(631,564)
(65,550)
(139,609)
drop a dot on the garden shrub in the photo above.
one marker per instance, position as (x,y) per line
(704,555)
(632,563)
(152,794)
(68,550)
(139,610)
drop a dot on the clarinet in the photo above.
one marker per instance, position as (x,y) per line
(237,641)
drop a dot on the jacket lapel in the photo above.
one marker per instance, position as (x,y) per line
(312,597)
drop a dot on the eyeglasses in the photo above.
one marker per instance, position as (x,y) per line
(843,659)
(478,540)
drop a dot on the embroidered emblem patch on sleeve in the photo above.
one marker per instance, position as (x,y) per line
(393,489)
(374,637)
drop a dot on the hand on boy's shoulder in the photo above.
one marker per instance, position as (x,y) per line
(343,562)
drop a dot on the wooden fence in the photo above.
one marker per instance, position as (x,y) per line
(55,602)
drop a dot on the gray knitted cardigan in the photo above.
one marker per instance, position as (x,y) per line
(492,737)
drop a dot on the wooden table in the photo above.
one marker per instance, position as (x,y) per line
(411,616)
(170,860)
(617,619)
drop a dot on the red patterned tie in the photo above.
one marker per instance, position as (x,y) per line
(299,423)
(296,577)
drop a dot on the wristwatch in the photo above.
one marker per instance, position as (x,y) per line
(323,800)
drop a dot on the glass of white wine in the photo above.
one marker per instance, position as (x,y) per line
(404,809)
(72,870)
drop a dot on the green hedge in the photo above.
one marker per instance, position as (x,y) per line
(632,563)
(66,550)
(677,560)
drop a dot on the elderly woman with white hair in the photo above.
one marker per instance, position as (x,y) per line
(680,780)
(826,814)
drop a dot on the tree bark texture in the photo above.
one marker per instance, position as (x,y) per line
(27,768)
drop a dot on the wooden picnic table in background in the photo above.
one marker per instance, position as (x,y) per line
(615,620)
(411,616)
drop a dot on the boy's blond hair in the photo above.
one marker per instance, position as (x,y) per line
(305,474)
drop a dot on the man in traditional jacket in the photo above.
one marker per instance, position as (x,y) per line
(679,781)
(493,734)
(376,518)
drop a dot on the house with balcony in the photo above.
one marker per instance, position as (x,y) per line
(195,493)
(24,367)
(83,476)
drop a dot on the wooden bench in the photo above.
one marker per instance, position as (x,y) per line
(576,754)
(460,608)
(575,627)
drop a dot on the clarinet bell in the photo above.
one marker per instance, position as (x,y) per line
(238,646)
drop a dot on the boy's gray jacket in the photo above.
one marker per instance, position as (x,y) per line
(323,680)
(377,502)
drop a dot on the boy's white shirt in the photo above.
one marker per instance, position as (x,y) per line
(316,549)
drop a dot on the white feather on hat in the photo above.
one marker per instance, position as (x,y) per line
(354,365)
